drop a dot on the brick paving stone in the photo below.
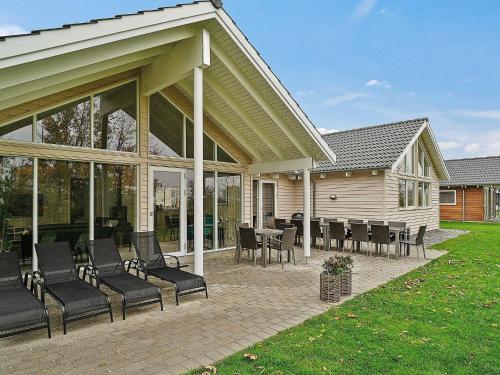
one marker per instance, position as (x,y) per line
(246,305)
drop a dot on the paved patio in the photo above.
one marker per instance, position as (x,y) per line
(246,304)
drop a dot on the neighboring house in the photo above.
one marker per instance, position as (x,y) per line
(472,193)
(145,121)
(385,172)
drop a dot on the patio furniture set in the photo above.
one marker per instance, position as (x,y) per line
(374,233)
(77,288)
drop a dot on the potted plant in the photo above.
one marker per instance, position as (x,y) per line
(346,275)
(331,278)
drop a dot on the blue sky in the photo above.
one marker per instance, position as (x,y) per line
(355,63)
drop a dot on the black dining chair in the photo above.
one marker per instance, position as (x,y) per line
(418,241)
(337,233)
(315,231)
(285,244)
(359,234)
(248,241)
(381,236)
(299,224)
(279,223)
(237,254)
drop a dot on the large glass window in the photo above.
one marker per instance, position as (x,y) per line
(224,156)
(66,125)
(228,207)
(424,196)
(208,144)
(166,128)
(423,163)
(20,130)
(16,206)
(64,202)
(208,209)
(410,193)
(115,119)
(115,202)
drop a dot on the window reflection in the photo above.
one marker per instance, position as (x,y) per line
(65,125)
(16,206)
(63,214)
(18,131)
(115,202)
(228,207)
(166,128)
(115,119)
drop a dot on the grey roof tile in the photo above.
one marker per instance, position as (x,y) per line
(373,147)
(473,171)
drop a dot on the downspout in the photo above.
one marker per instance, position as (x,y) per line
(313,183)
(463,204)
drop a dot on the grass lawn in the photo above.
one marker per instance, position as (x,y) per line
(440,319)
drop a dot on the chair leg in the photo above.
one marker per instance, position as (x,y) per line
(423,251)
(293,257)
(161,301)
(123,307)
(64,320)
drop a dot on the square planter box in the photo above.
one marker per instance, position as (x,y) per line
(346,283)
(330,287)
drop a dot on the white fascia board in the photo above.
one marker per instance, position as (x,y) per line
(242,42)
(435,145)
(282,165)
(24,49)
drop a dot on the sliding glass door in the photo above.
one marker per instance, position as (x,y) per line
(167,212)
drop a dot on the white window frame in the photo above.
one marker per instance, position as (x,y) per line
(454,197)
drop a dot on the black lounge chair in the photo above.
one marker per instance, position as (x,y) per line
(108,269)
(151,261)
(20,310)
(60,277)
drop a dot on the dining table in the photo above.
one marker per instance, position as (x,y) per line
(266,234)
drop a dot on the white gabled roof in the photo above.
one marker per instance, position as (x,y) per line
(35,67)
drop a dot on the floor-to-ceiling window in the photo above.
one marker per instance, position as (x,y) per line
(64,203)
(228,207)
(16,206)
(115,197)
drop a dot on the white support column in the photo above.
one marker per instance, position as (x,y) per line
(198,170)
(34,231)
(92,200)
(307,214)
(260,200)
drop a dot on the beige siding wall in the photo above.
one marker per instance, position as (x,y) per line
(358,196)
(290,197)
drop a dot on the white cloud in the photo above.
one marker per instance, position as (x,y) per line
(472,148)
(490,115)
(305,93)
(449,145)
(11,29)
(326,130)
(378,83)
(342,99)
(364,8)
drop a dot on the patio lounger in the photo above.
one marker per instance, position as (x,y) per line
(108,269)
(60,277)
(151,261)
(20,310)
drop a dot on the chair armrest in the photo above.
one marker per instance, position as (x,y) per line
(92,272)
(36,280)
(138,265)
(173,256)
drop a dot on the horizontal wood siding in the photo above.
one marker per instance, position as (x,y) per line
(473,208)
(358,196)
(290,197)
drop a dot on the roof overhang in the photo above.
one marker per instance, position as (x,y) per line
(262,117)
